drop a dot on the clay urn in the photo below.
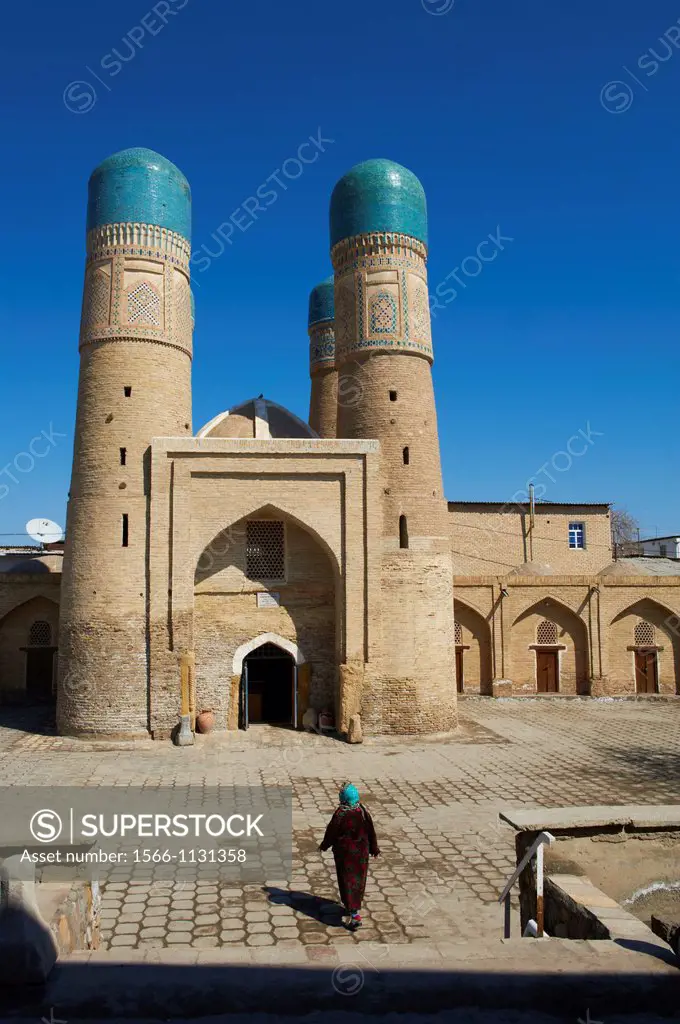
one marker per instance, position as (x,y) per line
(205,721)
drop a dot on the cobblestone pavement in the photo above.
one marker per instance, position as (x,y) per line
(435,803)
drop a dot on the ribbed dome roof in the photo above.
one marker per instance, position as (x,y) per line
(322,302)
(378,195)
(257,418)
(139,186)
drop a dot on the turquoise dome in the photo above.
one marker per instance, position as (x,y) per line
(322,302)
(378,195)
(139,186)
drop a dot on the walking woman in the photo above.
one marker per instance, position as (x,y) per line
(351,835)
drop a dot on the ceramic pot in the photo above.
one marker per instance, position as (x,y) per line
(205,721)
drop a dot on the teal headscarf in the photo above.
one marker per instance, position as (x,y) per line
(349,795)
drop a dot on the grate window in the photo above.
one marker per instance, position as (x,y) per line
(644,634)
(546,633)
(40,635)
(458,633)
(264,550)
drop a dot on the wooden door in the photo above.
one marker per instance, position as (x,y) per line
(546,672)
(39,674)
(645,672)
(459,670)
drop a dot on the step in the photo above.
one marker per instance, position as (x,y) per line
(554,976)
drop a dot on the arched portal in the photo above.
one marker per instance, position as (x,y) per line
(268,687)
(27,652)
(267,580)
(472,638)
(644,650)
(549,650)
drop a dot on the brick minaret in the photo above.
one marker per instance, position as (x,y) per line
(323,405)
(384,355)
(134,384)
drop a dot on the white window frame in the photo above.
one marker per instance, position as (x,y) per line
(573,527)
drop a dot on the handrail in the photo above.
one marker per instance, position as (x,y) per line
(536,848)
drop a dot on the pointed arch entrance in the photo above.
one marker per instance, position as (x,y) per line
(549,649)
(269,681)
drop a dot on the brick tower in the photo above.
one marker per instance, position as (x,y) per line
(134,384)
(323,406)
(378,222)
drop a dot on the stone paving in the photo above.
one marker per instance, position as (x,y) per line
(435,803)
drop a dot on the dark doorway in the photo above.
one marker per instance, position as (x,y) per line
(39,674)
(645,672)
(268,687)
(547,673)
(459,670)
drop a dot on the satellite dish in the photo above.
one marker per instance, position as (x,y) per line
(44,531)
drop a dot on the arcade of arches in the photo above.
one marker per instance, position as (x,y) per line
(596,637)
(513,637)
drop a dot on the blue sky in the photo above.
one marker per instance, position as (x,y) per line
(507,114)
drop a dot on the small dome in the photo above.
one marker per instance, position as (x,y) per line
(623,567)
(378,195)
(258,418)
(322,302)
(532,569)
(142,187)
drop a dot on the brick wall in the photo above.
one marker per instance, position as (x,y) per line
(494,540)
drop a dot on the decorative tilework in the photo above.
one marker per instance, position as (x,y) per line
(321,348)
(420,311)
(97,299)
(358,260)
(141,318)
(182,315)
(383,314)
(143,305)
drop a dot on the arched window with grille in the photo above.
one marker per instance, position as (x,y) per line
(40,634)
(546,633)
(644,634)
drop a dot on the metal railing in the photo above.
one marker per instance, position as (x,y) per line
(536,849)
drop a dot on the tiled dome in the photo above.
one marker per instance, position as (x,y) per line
(322,302)
(139,186)
(378,195)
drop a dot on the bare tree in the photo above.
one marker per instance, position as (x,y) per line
(625,532)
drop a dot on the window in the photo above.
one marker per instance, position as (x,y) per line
(265,558)
(127,390)
(40,635)
(393,396)
(403,532)
(546,633)
(126,530)
(123,456)
(458,634)
(644,634)
(406,455)
(577,535)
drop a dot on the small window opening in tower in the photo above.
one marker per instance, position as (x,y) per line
(407,456)
(126,529)
(123,456)
(127,390)
(393,396)
(403,532)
